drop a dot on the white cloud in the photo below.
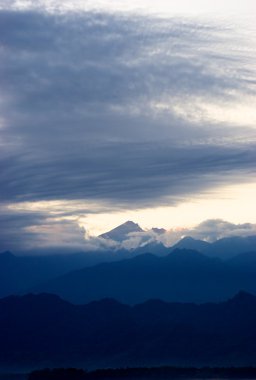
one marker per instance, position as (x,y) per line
(209,230)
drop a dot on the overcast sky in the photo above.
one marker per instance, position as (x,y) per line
(117,110)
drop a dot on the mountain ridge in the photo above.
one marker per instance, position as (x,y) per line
(225,247)
(19,274)
(50,331)
(183,275)
(121,232)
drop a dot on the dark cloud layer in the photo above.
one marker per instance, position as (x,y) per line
(129,172)
(33,231)
(84,116)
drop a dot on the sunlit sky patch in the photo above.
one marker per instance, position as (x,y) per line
(115,110)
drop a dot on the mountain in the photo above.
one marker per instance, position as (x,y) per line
(231,246)
(245,261)
(154,247)
(6,257)
(45,331)
(189,243)
(183,276)
(19,273)
(122,232)
(224,248)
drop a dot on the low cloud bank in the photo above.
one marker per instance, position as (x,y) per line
(209,231)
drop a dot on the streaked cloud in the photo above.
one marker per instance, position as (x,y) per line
(116,111)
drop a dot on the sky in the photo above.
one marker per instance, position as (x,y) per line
(125,110)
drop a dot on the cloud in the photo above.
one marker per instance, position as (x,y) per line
(31,231)
(109,108)
(209,230)
(139,239)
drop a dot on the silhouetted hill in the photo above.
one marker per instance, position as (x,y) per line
(232,246)
(183,275)
(44,330)
(156,248)
(224,248)
(189,243)
(19,273)
(6,257)
(245,261)
(145,373)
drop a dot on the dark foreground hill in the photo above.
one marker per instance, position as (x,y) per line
(43,330)
(182,276)
(145,373)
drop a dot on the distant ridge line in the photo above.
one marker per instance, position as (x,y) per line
(145,373)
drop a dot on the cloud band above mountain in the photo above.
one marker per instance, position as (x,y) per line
(124,111)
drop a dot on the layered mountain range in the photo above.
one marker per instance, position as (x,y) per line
(45,331)
(190,271)
(151,241)
(181,305)
(183,275)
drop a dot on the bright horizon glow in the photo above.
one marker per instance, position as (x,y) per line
(238,202)
(235,204)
